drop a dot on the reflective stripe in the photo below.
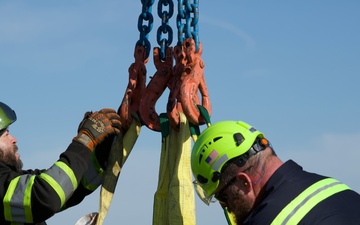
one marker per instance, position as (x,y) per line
(57,188)
(7,198)
(94,175)
(62,179)
(27,199)
(17,200)
(69,172)
(308,199)
(219,162)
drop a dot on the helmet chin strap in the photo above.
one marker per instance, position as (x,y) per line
(262,169)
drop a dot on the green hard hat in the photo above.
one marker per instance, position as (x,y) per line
(215,146)
(7,116)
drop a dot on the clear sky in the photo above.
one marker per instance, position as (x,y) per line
(289,68)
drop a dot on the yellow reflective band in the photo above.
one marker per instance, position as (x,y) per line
(27,200)
(7,198)
(55,185)
(69,172)
(308,199)
(230,217)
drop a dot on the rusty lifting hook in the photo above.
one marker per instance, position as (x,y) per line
(192,81)
(135,88)
(173,107)
(155,89)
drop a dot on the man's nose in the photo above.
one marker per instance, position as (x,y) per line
(13,139)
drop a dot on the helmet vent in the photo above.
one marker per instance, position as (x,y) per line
(202,179)
(239,138)
(216,139)
(252,129)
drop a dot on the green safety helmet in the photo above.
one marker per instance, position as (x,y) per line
(7,117)
(215,146)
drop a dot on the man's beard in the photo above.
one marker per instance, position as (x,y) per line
(9,158)
(241,208)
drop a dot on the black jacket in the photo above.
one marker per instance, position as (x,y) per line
(288,182)
(44,199)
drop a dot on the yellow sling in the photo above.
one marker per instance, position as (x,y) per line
(174,200)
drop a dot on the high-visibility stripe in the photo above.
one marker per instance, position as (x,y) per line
(27,200)
(7,198)
(62,179)
(69,172)
(56,186)
(17,201)
(308,199)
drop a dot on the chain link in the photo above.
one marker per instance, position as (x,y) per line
(187,21)
(165,28)
(142,27)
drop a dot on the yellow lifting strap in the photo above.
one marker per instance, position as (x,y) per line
(119,152)
(174,199)
(230,217)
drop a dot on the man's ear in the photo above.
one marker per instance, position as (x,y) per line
(244,182)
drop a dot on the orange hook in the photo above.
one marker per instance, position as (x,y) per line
(155,88)
(174,105)
(192,81)
(135,88)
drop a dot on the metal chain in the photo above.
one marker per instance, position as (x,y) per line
(165,28)
(187,21)
(143,28)
(179,21)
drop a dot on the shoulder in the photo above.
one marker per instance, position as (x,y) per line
(290,182)
(340,208)
(287,182)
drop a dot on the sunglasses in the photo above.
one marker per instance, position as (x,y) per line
(221,196)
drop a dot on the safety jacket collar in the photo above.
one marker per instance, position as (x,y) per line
(289,168)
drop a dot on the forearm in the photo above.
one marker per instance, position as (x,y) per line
(35,198)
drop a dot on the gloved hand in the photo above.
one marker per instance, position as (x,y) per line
(95,127)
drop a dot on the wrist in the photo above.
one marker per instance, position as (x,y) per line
(85,140)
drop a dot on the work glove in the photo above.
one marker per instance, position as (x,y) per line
(97,126)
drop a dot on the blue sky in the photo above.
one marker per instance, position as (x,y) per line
(291,69)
